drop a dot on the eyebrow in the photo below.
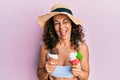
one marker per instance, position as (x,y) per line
(65,19)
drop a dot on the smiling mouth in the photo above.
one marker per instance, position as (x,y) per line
(63,32)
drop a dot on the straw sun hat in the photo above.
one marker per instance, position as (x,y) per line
(58,9)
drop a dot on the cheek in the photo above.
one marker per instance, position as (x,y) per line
(56,30)
(70,28)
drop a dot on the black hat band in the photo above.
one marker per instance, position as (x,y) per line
(63,10)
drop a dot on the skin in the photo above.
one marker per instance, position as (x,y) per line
(62,26)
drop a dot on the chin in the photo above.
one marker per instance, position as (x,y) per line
(64,38)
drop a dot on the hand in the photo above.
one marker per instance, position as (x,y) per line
(76,70)
(50,67)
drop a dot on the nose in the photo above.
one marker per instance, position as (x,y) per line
(61,25)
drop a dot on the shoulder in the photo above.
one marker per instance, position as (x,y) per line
(43,49)
(83,45)
(43,46)
(84,48)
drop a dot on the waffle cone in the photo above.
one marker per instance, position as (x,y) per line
(53,60)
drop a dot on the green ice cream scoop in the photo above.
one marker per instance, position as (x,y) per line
(79,56)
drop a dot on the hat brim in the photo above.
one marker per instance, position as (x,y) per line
(44,18)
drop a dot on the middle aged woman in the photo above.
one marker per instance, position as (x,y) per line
(62,31)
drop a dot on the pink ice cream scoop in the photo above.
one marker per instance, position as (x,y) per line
(75,61)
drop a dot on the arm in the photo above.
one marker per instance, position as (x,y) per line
(83,71)
(41,71)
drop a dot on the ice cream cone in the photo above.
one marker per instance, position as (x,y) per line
(53,60)
(75,61)
(73,58)
(53,55)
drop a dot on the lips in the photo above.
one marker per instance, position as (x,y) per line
(63,32)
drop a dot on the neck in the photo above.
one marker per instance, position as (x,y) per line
(65,42)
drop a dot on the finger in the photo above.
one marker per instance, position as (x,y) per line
(75,73)
(52,63)
(76,70)
(50,68)
(76,66)
(47,67)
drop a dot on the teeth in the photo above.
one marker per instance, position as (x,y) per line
(63,31)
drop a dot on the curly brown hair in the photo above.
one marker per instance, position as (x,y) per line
(50,37)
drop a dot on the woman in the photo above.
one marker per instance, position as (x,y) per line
(62,31)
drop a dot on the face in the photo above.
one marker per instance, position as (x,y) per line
(62,26)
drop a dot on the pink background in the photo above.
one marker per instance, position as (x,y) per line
(20,36)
